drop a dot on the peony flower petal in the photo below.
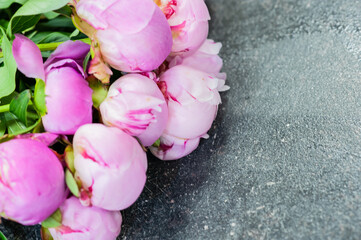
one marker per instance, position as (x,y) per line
(28,57)
(76,51)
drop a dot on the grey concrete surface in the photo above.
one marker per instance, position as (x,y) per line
(284,156)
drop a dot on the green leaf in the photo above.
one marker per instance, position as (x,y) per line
(39,97)
(8,99)
(34,7)
(54,24)
(4,23)
(8,71)
(2,237)
(2,125)
(51,15)
(65,11)
(71,183)
(48,37)
(6,3)
(15,126)
(23,23)
(75,33)
(53,221)
(19,106)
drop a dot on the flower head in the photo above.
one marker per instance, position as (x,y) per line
(110,165)
(86,223)
(137,106)
(32,182)
(133,36)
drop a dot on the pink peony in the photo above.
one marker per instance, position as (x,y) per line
(136,105)
(111,166)
(68,95)
(86,223)
(31,181)
(188,20)
(133,36)
(192,105)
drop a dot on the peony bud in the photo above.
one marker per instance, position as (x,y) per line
(68,96)
(133,36)
(110,165)
(136,105)
(188,20)
(31,181)
(86,223)
(192,105)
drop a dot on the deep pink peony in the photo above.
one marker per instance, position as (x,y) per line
(31,181)
(136,105)
(86,223)
(133,36)
(111,166)
(68,95)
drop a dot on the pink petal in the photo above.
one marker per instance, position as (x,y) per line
(28,57)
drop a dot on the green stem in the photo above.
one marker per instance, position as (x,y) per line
(5,108)
(52,46)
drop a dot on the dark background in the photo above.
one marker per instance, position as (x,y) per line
(284,156)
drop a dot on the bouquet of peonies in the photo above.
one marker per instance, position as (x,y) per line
(119,76)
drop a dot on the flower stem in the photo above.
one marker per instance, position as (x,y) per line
(5,108)
(52,46)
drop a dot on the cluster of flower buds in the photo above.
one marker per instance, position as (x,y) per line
(166,100)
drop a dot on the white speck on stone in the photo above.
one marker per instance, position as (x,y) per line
(206,227)
(270,183)
(231,233)
(260,208)
(233,224)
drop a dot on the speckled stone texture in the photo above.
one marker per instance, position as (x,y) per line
(284,156)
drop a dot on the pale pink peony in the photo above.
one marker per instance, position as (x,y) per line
(111,166)
(31,181)
(136,105)
(188,20)
(86,223)
(193,100)
(133,36)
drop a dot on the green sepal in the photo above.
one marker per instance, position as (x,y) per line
(39,97)
(156,143)
(45,234)
(71,183)
(100,91)
(53,221)
(69,158)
